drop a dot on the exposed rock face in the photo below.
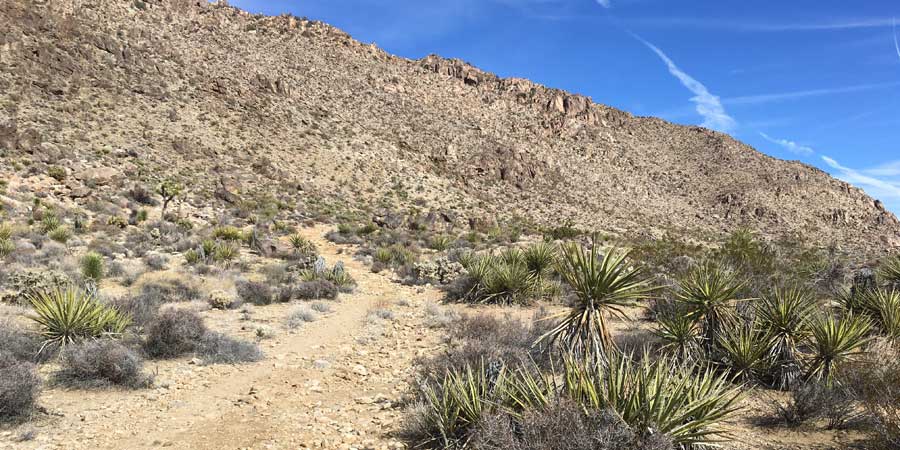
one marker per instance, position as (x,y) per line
(202,92)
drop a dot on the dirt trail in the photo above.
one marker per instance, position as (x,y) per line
(332,384)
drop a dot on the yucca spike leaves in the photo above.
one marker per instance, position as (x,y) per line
(744,350)
(679,334)
(835,341)
(883,306)
(784,315)
(708,292)
(67,315)
(602,285)
(889,271)
(687,403)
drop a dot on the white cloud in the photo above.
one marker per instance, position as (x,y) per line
(888,169)
(604,3)
(790,146)
(886,189)
(708,105)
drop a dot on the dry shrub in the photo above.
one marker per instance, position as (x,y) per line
(876,383)
(561,425)
(315,290)
(102,362)
(21,345)
(217,348)
(19,388)
(255,292)
(174,333)
(484,338)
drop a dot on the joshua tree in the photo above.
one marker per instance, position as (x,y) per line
(168,190)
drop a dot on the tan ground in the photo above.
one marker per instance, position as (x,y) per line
(333,384)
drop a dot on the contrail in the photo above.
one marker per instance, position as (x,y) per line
(896,45)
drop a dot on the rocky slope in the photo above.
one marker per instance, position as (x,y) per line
(240,106)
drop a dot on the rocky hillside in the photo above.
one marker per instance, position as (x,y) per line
(241,107)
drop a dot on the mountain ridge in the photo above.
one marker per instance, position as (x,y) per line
(253,105)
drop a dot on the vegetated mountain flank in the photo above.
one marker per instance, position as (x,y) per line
(239,105)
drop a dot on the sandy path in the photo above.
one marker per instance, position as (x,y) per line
(332,384)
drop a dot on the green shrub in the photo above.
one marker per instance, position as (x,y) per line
(7,247)
(302,245)
(116,221)
(6,231)
(60,234)
(440,242)
(92,266)
(383,255)
(228,233)
(69,315)
(497,279)
(192,257)
(56,172)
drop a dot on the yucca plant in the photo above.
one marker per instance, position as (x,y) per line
(540,258)
(889,271)
(883,307)
(6,247)
(228,233)
(60,234)
(458,401)
(92,266)
(508,283)
(603,285)
(688,404)
(835,341)
(784,317)
(679,333)
(225,252)
(341,279)
(744,351)
(440,242)
(383,255)
(6,231)
(709,292)
(853,301)
(192,257)
(67,315)
(298,242)
(512,256)
(49,223)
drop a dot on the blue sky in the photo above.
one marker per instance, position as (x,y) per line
(817,81)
